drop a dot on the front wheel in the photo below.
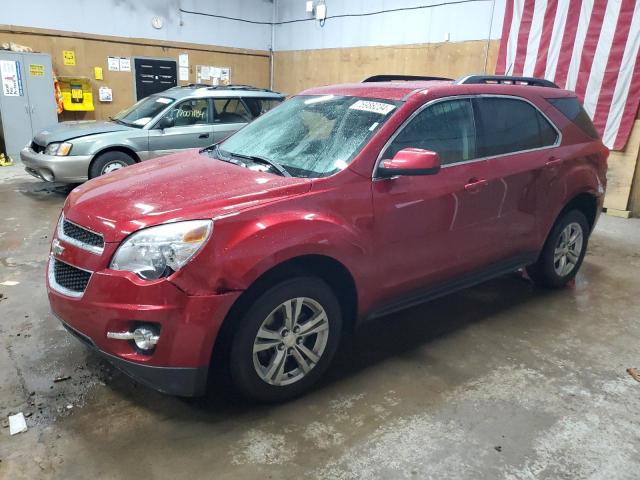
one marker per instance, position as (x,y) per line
(563,252)
(109,162)
(286,340)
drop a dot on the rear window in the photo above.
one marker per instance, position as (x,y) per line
(570,107)
(507,125)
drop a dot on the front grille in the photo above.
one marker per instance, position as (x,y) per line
(37,148)
(69,277)
(82,235)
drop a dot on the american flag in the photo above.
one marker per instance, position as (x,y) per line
(588,46)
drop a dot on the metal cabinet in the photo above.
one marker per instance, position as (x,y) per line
(27,98)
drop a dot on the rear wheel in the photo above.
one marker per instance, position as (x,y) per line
(563,251)
(286,340)
(109,162)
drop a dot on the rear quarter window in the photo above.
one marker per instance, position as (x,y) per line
(570,107)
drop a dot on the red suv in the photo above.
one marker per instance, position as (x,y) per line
(345,203)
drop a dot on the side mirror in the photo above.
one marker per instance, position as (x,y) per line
(166,122)
(410,161)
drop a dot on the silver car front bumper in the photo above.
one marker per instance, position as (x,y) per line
(52,168)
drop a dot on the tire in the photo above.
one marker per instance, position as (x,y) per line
(105,163)
(282,365)
(550,271)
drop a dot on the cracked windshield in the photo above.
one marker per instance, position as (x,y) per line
(309,136)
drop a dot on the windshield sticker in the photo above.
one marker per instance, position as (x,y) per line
(163,100)
(374,107)
(142,121)
(374,126)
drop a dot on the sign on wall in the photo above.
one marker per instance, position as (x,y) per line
(36,70)
(11,78)
(113,64)
(69,57)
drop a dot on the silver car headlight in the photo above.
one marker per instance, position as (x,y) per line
(157,252)
(60,149)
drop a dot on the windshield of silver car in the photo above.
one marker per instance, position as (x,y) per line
(142,112)
(310,136)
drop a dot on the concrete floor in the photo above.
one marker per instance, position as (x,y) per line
(502,381)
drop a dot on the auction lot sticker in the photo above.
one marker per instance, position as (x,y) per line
(374,107)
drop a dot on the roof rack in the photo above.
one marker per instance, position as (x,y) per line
(227,87)
(506,79)
(239,87)
(406,78)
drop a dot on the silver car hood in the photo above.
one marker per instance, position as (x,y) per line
(67,130)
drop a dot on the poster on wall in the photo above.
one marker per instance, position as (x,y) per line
(183,74)
(225,76)
(113,64)
(11,78)
(213,75)
(183,60)
(105,94)
(125,64)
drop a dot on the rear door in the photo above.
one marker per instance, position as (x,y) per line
(432,228)
(519,143)
(193,128)
(230,115)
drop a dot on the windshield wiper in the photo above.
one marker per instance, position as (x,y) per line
(220,156)
(265,161)
(117,120)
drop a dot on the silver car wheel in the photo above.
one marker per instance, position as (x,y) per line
(113,166)
(290,341)
(568,249)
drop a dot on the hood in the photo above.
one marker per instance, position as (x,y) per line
(67,130)
(184,186)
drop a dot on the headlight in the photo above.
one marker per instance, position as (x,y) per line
(61,149)
(157,252)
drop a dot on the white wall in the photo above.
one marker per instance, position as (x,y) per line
(132,18)
(455,22)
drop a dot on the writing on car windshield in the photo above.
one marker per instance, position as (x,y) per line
(312,136)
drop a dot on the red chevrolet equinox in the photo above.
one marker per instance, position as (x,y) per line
(346,203)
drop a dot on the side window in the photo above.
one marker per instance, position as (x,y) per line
(445,127)
(258,106)
(507,125)
(191,112)
(231,110)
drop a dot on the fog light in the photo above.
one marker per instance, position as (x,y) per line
(144,337)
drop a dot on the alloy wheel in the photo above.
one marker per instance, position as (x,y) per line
(568,249)
(113,166)
(290,341)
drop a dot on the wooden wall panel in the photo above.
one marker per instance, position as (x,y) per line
(247,66)
(296,70)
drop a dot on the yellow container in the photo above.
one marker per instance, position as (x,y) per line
(76,94)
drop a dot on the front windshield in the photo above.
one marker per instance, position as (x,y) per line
(142,112)
(311,136)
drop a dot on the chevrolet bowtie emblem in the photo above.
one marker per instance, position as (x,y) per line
(56,248)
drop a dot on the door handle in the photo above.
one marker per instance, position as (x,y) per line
(203,135)
(475,184)
(553,162)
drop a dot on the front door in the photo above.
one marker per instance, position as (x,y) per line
(153,76)
(432,228)
(191,126)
